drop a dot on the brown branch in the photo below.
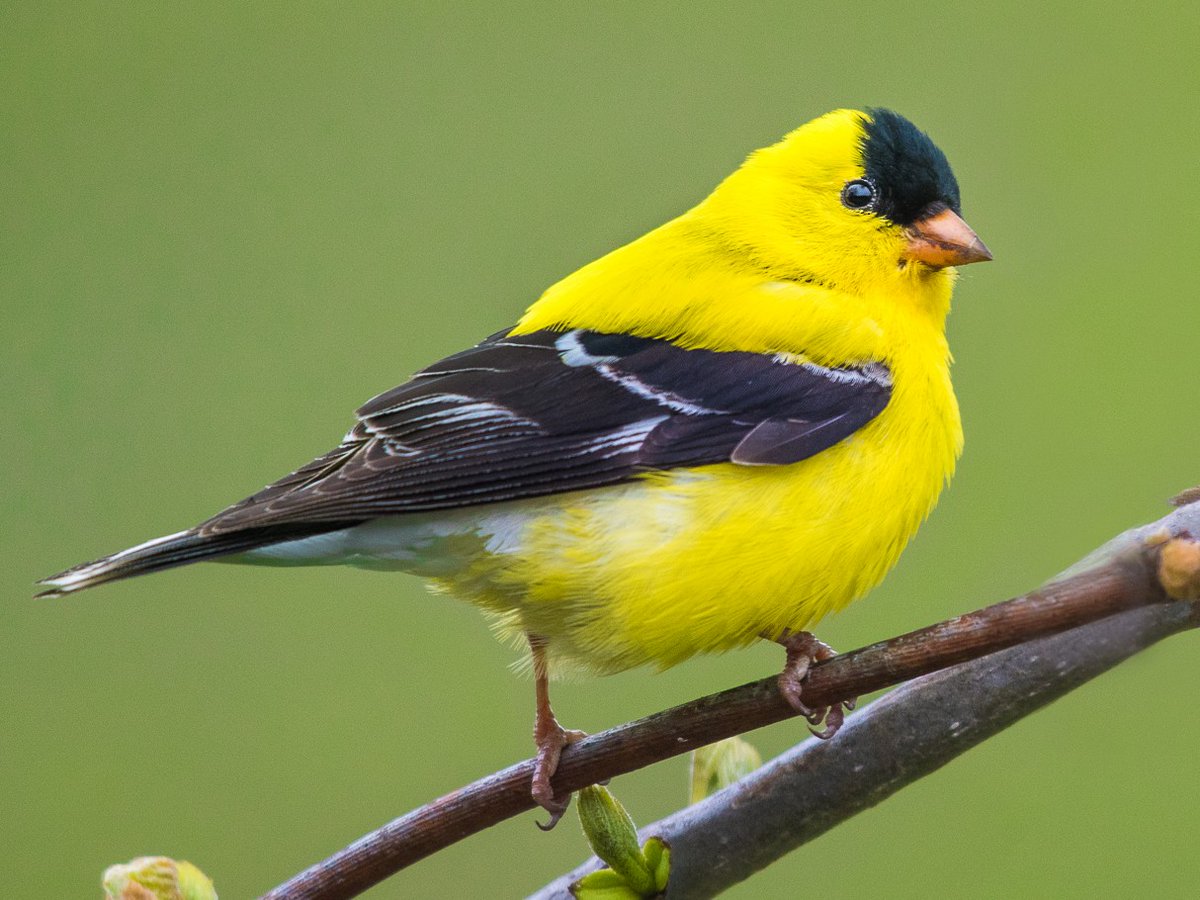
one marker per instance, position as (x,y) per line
(906,735)
(1120,576)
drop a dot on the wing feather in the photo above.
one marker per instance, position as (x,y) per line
(551,412)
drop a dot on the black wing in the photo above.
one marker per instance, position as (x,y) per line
(549,412)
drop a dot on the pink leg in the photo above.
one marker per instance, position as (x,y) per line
(550,738)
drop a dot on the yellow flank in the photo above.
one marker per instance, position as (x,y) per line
(708,559)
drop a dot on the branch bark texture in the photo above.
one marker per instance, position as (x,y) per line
(908,734)
(901,737)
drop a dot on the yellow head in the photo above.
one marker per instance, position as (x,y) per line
(848,222)
(861,202)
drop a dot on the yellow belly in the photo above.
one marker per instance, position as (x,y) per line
(704,560)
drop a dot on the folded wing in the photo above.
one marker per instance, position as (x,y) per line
(543,413)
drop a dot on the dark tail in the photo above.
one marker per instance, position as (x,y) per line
(173,550)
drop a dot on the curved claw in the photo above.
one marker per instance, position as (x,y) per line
(557,810)
(803,649)
(551,739)
(833,716)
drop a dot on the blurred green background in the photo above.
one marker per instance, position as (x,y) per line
(227,224)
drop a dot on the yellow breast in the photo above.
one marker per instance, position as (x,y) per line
(708,559)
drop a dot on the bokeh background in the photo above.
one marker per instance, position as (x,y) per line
(227,224)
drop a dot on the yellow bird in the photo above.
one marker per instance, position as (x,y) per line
(716,434)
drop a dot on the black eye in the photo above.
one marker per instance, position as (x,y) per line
(859,194)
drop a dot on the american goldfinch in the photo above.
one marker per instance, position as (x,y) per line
(715,434)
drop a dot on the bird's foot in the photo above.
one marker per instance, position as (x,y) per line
(803,649)
(550,738)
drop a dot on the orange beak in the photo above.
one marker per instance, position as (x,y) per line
(944,239)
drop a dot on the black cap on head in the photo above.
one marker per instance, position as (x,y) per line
(908,169)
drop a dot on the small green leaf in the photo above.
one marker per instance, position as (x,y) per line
(721,764)
(157,878)
(658,858)
(613,837)
(194,884)
(603,885)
